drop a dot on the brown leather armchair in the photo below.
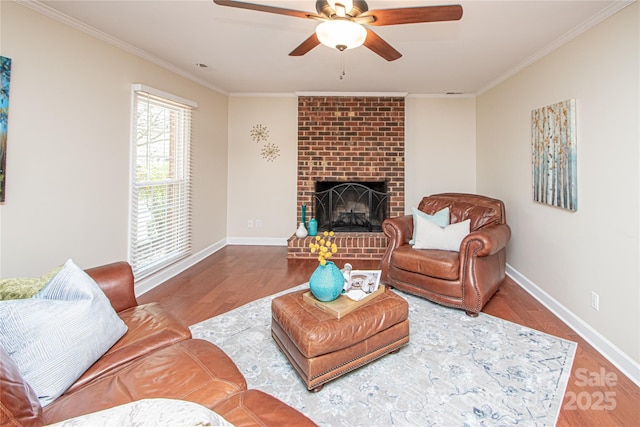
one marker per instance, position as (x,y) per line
(466,279)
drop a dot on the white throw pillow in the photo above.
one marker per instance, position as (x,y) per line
(440,218)
(58,334)
(432,236)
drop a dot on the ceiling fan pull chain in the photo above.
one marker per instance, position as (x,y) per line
(342,73)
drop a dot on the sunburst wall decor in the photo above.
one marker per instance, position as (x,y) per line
(259,133)
(270,152)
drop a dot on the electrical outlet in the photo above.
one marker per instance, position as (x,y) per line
(258,223)
(595,301)
(250,223)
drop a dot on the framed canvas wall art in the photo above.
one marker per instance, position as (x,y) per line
(554,155)
(5,77)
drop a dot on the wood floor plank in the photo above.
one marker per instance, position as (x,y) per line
(236,275)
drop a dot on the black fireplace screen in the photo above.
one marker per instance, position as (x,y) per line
(350,207)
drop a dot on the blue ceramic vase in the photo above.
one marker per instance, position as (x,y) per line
(326,282)
(313,227)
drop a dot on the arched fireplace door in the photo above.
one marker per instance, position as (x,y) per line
(351,206)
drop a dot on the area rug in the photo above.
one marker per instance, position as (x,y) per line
(456,371)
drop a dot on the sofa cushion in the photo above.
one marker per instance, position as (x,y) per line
(192,370)
(149,327)
(19,405)
(25,287)
(149,413)
(440,218)
(429,262)
(56,335)
(256,408)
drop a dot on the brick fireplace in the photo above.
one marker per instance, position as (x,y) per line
(350,139)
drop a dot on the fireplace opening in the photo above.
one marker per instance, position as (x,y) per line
(351,206)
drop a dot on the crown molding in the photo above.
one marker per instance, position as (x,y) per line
(262,95)
(441,95)
(49,12)
(614,8)
(363,94)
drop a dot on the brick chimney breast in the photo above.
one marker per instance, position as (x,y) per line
(351,139)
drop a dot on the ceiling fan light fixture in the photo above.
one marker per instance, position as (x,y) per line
(341,34)
(341,5)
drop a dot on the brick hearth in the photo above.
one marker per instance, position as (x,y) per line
(356,139)
(350,246)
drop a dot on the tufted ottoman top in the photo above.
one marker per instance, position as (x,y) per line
(315,332)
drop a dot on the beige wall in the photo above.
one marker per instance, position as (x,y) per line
(260,190)
(570,254)
(440,156)
(68,147)
(440,147)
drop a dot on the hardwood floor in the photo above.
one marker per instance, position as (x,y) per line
(598,394)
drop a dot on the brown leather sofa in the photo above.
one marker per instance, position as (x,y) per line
(466,279)
(156,358)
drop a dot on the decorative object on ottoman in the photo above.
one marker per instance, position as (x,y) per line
(321,347)
(327,281)
(342,305)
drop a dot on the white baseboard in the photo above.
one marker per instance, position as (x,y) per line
(609,350)
(148,283)
(257,241)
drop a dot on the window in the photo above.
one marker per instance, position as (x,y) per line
(160,227)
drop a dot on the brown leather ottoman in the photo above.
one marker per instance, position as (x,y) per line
(321,347)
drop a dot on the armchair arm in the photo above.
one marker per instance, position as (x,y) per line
(116,281)
(399,231)
(482,265)
(486,241)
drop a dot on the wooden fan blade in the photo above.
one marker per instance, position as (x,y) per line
(269,9)
(413,15)
(381,47)
(306,45)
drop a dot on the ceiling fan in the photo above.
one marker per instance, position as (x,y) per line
(343,23)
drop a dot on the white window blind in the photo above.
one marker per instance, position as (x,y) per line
(160,226)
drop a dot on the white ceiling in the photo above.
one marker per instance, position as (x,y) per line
(247,51)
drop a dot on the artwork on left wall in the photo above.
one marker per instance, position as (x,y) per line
(5,78)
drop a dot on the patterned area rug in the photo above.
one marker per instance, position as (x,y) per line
(456,371)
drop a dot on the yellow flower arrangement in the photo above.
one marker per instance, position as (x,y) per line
(324,247)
